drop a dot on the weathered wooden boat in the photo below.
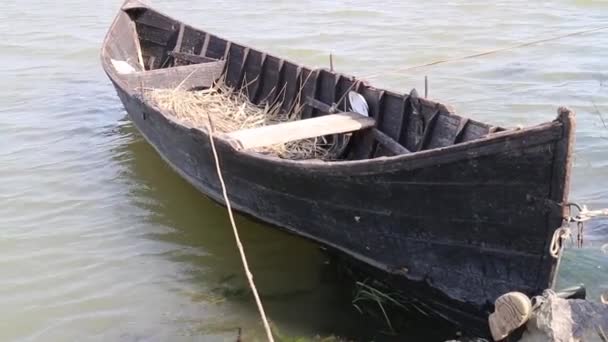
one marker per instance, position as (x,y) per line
(461,210)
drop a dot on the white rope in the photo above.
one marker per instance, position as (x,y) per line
(236,236)
(559,236)
(586,214)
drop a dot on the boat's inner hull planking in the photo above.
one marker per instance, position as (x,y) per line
(406,120)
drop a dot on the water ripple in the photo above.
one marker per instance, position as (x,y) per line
(100,240)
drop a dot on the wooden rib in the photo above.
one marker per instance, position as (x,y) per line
(460,130)
(380,106)
(405,114)
(239,82)
(339,96)
(151,61)
(428,131)
(301,129)
(258,81)
(205,45)
(180,38)
(379,119)
(315,90)
(275,91)
(280,79)
(312,77)
(327,86)
(358,86)
(319,105)
(360,140)
(293,101)
(140,57)
(389,143)
(227,50)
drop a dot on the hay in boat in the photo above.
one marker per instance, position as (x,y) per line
(230,110)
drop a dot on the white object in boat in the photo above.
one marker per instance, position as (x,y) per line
(123,67)
(358,103)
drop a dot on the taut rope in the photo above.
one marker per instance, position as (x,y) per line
(258,301)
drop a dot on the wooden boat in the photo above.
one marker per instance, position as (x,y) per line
(460,210)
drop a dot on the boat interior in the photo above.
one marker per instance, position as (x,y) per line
(403,123)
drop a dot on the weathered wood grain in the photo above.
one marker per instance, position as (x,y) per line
(302,129)
(191,58)
(186,77)
(389,143)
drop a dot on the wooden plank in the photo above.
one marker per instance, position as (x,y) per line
(154,35)
(227,50)
(269,78)
(188,57)
(216,47)
(428,131)
(406,112)
(372,96)
(205,45)
(289,82)
(344,85)
(309,89)
(389,143)
(240,84)
(320,106)
(412,132)
(154,19)
(252,70)
(474,130)
(192,40)
(393,115)
(446,127)
(187,77)
(234,64)
(302,129)
(180,39)
(460,130)
(326,89)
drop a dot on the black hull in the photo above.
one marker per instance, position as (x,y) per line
(325,212)
(460,225)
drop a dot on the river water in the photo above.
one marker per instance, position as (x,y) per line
(99,240)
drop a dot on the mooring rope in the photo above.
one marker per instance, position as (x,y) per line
(557,241)
(494,51)
(564,232)
(258,301)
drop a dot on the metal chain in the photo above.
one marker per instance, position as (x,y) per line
(564,232)
(584,215)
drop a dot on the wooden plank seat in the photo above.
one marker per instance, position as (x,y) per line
(190,58)
(302,129)
(376,135)
(185,77)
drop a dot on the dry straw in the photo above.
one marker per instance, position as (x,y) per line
(230,110)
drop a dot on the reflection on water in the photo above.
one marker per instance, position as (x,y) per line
(100,240)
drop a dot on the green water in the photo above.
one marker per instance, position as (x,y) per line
(99,240)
